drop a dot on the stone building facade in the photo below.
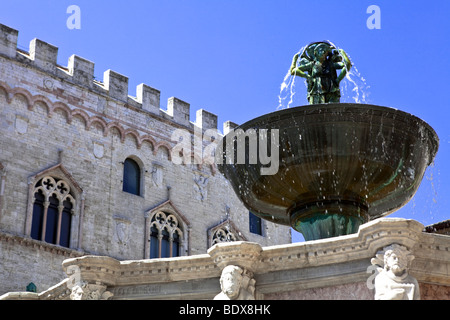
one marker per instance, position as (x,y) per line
(87,169)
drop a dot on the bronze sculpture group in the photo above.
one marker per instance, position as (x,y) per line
(319,63)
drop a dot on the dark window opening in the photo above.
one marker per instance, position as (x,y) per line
(131,177)
(255,224)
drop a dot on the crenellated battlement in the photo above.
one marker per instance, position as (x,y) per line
(80,71)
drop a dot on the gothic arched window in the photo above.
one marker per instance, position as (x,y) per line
(226,231)
(131,177)
(53,207)
(165,236)
(223,235)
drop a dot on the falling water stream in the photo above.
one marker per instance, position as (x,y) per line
(354,89)
(340,165)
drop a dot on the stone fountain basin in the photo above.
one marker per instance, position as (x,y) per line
(351,162)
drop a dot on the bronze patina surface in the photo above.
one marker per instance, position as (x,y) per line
(319,63)
(340,165)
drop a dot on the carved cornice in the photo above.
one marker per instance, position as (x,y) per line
(113,272)
(39,245)
(312,264)
(362,245)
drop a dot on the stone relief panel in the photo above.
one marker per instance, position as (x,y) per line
(121,231)
(98,150)
(21,124)
(200,186)
(86,291)
(157,173)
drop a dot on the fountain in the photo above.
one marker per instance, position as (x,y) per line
(340,165)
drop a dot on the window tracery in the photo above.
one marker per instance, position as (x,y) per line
(165,236)
(226,231)
(223,235)
(53,208)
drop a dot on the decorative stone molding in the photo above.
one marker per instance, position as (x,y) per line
(240,253)
(112,272)
(290,270)
(39,245)
(98,149)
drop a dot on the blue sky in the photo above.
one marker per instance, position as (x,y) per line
(230,57)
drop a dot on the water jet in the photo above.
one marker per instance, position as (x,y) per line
(340,164)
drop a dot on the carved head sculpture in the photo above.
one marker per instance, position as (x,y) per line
(78,292)
(231,281)
(395,260)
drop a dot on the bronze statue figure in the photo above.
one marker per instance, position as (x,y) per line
(319,63)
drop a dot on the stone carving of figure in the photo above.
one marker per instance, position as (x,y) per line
(319,63)
(77,293)
(236,284)
(393,282)
(85,291)
(200,185)
(122,233)
(157,176)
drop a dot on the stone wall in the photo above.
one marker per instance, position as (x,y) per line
(26,260)
(58,120)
